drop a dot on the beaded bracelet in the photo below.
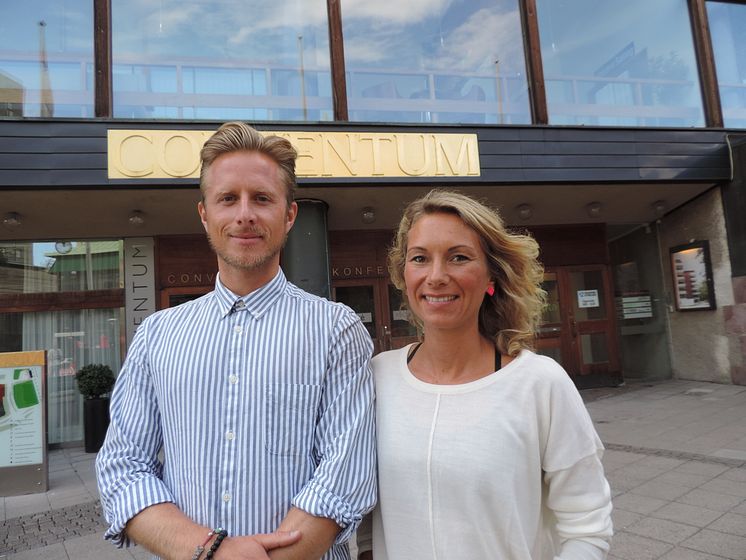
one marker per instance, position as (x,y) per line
(201,548)
(221,534)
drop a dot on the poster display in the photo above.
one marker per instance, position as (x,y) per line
(22,422)
(692,276)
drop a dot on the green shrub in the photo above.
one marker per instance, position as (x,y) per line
(95,380)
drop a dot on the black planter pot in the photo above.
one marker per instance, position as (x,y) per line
(95,423)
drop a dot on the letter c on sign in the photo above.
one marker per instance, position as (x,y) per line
(134,158)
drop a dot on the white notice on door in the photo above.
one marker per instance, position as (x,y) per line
(587,298)
(401,315)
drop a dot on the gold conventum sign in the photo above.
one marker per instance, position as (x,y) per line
(174,154)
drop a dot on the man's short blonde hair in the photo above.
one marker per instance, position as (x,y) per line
(238,136)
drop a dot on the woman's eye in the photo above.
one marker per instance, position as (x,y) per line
(461,258)
(417,259)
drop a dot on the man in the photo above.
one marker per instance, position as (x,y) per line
(259,394)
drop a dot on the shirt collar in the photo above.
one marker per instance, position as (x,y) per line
(256,303)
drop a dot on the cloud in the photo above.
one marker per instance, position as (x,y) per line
(388,12)
(475,44)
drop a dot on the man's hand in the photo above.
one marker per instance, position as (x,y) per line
(318,535)
(165,531)
(255,547)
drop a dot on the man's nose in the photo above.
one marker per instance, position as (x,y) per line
(246,211)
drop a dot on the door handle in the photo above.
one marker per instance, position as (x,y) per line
(573,328)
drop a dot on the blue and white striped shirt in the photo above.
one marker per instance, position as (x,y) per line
(259,402)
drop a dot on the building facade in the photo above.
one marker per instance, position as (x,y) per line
(615,133)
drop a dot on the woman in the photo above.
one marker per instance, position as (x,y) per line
(485,449)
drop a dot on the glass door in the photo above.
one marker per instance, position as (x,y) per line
(591,319)
(379,306)
(578,328)
(401,331)
(363,296)
(551,339)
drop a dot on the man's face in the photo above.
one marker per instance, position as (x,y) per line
(246,216)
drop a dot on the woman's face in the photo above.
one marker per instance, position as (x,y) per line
(445,272)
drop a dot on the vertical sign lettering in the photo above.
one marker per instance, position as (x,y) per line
(139,282)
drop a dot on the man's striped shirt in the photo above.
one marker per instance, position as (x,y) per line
(258,402)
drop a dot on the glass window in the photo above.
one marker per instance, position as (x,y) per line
(64,266)
(551,312)
(72,334)
(72,339)
(444,61)
(619,63)
(360,299)
(221,60)
(399,315)
(589,297)
(594,348)
(727,24)
(46,47)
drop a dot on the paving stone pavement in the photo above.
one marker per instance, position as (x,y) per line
(675,458)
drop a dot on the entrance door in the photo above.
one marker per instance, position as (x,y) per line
(578,329)
(378,304)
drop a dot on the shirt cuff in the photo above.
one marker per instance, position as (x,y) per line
(589,549)
(130,501)
(320,502)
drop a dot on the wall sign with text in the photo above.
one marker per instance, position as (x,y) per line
(174,154)
(23,438)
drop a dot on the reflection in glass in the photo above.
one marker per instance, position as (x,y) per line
(72,339)
(360,300)
(66,266)
(450,61)
(551,311)
(594,348)
(221,60)
(727,24)
(399,315)
(46,49)
(619,63)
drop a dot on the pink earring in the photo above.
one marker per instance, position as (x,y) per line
(491,290)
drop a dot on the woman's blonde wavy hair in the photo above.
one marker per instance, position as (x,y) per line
(511,317)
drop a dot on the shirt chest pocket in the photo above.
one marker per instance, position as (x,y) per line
(290,418)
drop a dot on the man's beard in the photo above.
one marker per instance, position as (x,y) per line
(248,262)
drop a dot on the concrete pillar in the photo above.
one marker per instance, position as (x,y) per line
(305,258)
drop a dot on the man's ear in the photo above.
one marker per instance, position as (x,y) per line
(202,211)
(292,214)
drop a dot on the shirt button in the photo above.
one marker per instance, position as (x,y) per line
(233,379)
(226,497)
(238,329)
(229,435)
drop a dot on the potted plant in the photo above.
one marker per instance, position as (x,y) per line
(95,381)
